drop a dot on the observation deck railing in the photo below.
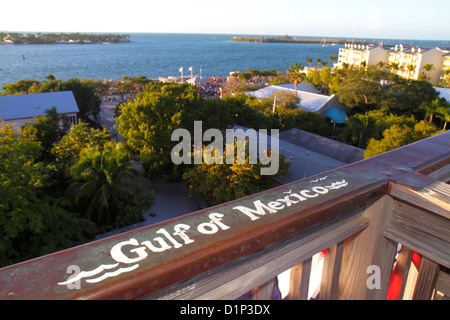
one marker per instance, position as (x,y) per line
(357,214)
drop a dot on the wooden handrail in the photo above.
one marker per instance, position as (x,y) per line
(349,207)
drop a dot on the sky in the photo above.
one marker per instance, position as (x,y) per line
(393,19)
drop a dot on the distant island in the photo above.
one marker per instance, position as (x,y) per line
(288,39)
(61,38)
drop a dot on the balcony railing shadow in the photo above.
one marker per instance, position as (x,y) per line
(375,229)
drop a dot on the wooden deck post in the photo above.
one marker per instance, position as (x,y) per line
(426,281)
(330,273)
(368,256)
(264,291)
(299,281)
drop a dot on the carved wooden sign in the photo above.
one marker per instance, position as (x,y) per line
(126,256)
(166,252)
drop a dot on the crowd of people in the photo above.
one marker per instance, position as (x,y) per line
(211,88)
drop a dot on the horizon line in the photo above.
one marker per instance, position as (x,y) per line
(230,34)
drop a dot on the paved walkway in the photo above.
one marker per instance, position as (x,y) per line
(106,117)
(170,199)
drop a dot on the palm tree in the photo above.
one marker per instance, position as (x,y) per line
(333,59)
(324,63)
(434,108)
(103,182)
(444,114)
(431,108)
(296,75)
(428,67)
(380,65)
(318,62)
(309,60)
(359,126)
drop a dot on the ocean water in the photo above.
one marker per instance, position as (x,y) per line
(157,55)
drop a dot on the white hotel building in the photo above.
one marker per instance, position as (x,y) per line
(406,61)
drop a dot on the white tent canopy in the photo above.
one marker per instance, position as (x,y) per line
(310,99)
(443,93)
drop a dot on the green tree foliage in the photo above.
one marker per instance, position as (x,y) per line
(296,75)
(358,89)
(20,87)
(404,97)
(360,128)
(248,112)
(106,188)
(303,120)
(80,137)
(444,115)
(437,107)
(218,183)
(32,223)
(252,73)
(428,67)
(47,131)
(147,123)
(365,89)
(399,135)
(377,99)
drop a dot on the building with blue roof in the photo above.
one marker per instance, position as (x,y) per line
(20,109)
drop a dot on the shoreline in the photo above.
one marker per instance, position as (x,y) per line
(17,38)
(287,39)
(62,43)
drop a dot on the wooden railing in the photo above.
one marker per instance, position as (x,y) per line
(353,217)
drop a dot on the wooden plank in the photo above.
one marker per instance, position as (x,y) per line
(423,243)
(442,174)
(443,283)
(330,272)
(264,291)
(413,273)
(426,281)
(365,250)
(299,280)
(434,198)
(424,221)
(231,280)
